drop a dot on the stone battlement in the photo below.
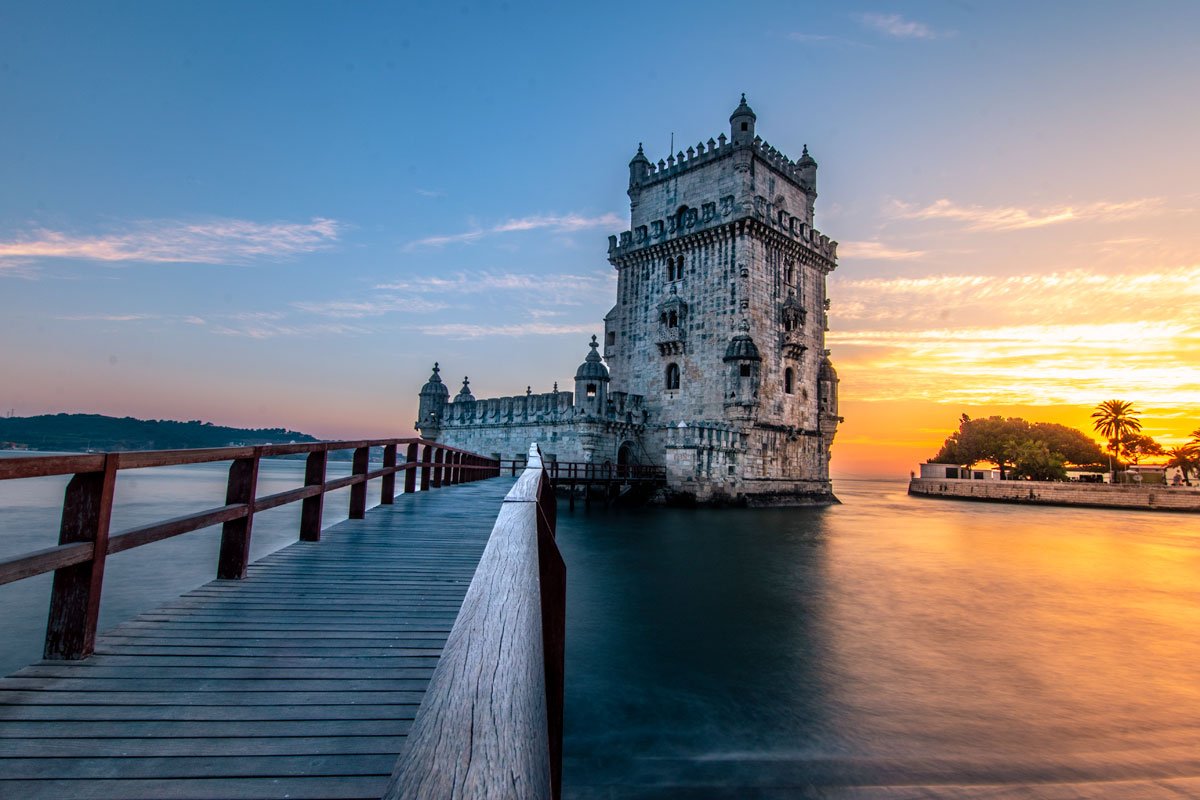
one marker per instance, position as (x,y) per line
(705,153)
(711,217)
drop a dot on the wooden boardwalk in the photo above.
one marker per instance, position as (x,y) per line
(300,681)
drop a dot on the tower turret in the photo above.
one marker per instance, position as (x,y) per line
(741,123)
(808,168)
(639,168)
(434,396)
(744,364)
(591,382)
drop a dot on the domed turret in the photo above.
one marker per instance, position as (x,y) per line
(742,347)
(591,382)
(741,123)
(593,367)
(464,394)
(639,167)
(743,376)
(827,388)
(807,166)
(434,396)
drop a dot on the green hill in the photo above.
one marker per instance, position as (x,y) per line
(79,432)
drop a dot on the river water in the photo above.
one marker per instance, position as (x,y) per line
(890,647)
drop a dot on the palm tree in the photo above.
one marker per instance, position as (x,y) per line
(1114,419)
(1186,458)
(1195,437)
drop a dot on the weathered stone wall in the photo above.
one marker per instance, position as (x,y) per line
(1159,498)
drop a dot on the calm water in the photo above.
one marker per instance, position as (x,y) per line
(887,648)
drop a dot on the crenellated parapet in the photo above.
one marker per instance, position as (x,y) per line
(718,220)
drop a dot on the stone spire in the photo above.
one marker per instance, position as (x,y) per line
(639,167)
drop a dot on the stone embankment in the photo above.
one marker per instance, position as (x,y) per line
(1150,498)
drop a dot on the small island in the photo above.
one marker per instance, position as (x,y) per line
(1050,464)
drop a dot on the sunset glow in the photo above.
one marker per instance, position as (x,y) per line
(211,216)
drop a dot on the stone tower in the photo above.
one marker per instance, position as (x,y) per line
(721,315)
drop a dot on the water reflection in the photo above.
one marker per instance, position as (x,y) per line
(889,647)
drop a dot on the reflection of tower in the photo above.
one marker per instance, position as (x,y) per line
(434,396)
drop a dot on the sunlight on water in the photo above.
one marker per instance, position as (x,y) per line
(891,647)
(888,647)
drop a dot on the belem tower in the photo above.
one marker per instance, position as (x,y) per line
(714,362)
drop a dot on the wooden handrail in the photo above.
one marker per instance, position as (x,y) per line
(490,725)
(85,542)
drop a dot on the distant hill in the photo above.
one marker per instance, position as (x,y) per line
(80,432)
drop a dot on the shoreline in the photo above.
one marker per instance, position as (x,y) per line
(1052,493)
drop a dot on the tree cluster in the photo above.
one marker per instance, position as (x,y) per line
(72,432)
(1021,449)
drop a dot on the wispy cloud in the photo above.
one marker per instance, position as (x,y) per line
(1010,218)
(1055,364)
(554,289)
(897,27)
(270,329)
(429,192)
(107,317)
(1070,296)
(823,39)
(877,251)
(214,241)
(1069,337)
(455,330)
(565,223)
(375,307)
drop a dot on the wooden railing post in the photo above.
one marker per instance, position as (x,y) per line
(235,534)
(426,467)
(410,472)
(552,578)
(456,470)
(312,508)
(75,596)
(387,490)
(439,458)
(358,492)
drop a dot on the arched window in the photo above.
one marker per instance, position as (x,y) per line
(672,319)
(670,269)
(672,376)
(789,380)
(591,390)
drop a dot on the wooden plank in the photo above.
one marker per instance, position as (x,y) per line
(145,534)
(318,787)
(189,729)
(301,680)
(45,560)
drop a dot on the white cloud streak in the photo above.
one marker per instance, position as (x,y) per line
(564,223)
(455,330)
(357,309)
(1011,218)
(876,251)
(897,27)
(217,241)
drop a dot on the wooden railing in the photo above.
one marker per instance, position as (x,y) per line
(581,471)
(490,725)
(85,542)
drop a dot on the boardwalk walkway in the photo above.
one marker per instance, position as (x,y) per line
(300,681)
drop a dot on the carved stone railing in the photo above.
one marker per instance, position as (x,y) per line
(490,725)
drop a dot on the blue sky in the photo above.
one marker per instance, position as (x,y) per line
(282,213)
